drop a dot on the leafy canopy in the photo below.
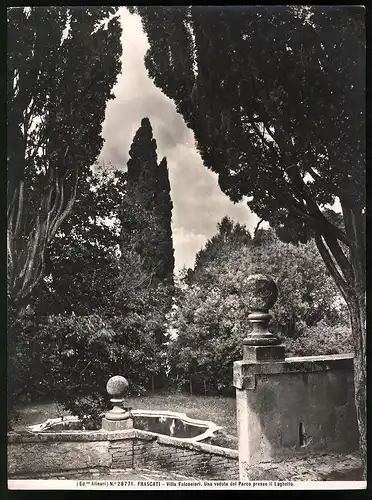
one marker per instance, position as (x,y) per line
(275,97)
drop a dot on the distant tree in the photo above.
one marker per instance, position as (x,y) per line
(146,221)
(211,312)
(230,236)
(307,292)
(62,65)
(163,211)
(209,324)
(147,207)
(275,97)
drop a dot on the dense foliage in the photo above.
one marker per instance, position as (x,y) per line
(70,357)
(62,64)
(82,260)
(211,315)
(321,339)
(101,308)
(146,217)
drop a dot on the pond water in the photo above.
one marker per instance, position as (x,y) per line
(168,426)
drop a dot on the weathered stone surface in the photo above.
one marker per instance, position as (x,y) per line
(197,446)
(294,407)
(261,296)
(57,456)
(261,292)
(117,386)
(70,436)
(49,452)
(321,467)
(144,435)
(247,368)
(116,425)
(263,352)
(104,474)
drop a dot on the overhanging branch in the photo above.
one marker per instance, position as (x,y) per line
(327,259)
(257,226)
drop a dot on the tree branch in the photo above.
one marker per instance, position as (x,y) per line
(257,226)
(297,182)
(20,208)
(354,228)
(341,283)
(340,257)
(26,271)
(68,208)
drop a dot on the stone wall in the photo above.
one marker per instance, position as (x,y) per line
(295,407)
(131,449)
(190,458)
(47,456)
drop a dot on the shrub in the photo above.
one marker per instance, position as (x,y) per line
(72,358)
(210,329)
(22,385)
(321,339)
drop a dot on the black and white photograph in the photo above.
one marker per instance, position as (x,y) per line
(186,248)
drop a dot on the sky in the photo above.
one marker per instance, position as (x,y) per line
(198,202)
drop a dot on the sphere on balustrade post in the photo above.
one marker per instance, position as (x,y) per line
(260,344)
(118,418)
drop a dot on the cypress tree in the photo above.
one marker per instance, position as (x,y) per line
(147,208)
(146,217)
(163,210)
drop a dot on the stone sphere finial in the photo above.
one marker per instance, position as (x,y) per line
(262,292)
(118,418)
(117,386)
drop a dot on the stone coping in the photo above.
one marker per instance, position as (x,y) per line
(245,371)
(326,357)
(101,435)
(300,364)
(107,474)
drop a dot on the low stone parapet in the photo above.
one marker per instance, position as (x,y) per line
(37,453)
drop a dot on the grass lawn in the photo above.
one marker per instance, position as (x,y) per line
(220,410)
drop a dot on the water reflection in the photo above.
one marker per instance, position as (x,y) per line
(169,426)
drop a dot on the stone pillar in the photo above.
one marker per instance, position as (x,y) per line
(259,347)
(118,418)
(288,407)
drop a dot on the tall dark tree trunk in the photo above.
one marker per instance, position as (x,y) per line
(356,304)
(357,308)
(355,229)
(350,278)
(360,376)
